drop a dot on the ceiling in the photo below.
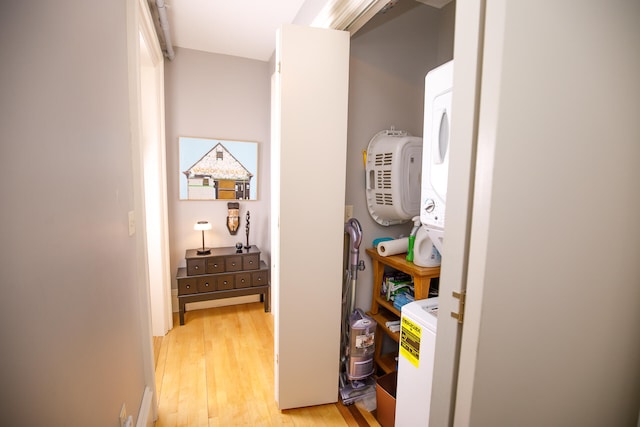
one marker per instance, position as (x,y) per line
(245,28)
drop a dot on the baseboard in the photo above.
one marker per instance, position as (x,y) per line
(211,303)
(145,417)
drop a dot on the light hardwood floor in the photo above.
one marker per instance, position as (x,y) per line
(217,370)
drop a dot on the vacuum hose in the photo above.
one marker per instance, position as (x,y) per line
(352,227)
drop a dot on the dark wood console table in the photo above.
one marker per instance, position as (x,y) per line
(224,273)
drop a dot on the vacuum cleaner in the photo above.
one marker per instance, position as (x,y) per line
(358,329)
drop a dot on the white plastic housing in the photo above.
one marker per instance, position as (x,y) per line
(393,177)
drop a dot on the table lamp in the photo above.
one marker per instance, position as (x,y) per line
(203,225)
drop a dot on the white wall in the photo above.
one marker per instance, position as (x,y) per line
(216,96)
(72,346)
(390,56)
(553,295)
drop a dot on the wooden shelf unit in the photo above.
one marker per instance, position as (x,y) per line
(383,311)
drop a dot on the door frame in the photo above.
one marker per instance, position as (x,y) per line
(144,53)
(154,169)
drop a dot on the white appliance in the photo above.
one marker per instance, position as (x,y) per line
(393,169)
(435,153)
(419,321)
(425,253)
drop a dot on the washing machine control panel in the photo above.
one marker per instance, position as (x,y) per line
(432,213)
(429,205)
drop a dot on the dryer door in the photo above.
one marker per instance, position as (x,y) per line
(440,144)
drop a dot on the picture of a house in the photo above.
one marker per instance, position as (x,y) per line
(218,175)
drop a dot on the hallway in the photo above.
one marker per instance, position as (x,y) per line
(198,380)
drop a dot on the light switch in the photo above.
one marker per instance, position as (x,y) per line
(132,223)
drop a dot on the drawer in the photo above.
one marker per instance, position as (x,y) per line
(251,262)
(225,282)
(215,265)
(187,286)
(260,278)
(233,263)
(243,280)
(196,266)
(206,284)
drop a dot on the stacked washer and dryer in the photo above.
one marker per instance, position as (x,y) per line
(396,164)
(419,319)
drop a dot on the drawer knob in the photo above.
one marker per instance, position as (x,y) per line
(188,286)
(206,285)
(215,265)
(196,267)
(233,264)
(225,282)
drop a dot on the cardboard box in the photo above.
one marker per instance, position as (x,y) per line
(386,399)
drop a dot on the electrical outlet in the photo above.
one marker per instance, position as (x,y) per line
(123,415)
(348,212)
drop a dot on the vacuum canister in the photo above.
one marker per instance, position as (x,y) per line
(361,345)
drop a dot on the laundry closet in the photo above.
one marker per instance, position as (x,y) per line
(389,59)
(386,61)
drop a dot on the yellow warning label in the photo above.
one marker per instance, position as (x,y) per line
(410,336)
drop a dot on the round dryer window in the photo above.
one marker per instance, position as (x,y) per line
(443,136)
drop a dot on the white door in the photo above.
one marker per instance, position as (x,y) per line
(308,187)
(460,184)
(549,247)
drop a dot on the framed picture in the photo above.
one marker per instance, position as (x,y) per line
(217,169)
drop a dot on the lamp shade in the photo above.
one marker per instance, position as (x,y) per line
(202,225)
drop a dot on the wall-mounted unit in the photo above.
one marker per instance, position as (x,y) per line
(393,176)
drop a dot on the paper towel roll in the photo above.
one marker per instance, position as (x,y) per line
(393,247)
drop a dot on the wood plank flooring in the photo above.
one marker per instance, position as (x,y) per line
(217,370)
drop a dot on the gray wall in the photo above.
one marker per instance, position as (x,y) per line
(390,57)
(216,96)
(72,346)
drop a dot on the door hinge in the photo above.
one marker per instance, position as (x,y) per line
(461,296)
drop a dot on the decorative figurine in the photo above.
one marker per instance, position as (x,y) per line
(233,220)
(238,247)
(247,246)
